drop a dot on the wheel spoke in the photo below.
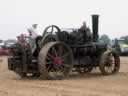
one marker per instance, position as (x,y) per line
(52,69)
(48,58)
(52,29)
(107,69)
(54,52)
(49,62)
(65,55)
(110,69)
(61,68)
(60,50)
(48,67)
(113,67)
(51,56)
(55,71)
(113,64)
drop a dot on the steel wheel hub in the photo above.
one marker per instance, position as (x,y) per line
(58,61)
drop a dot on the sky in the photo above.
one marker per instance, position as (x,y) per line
(17,15)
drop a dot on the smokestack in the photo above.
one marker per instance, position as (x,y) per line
(95,19)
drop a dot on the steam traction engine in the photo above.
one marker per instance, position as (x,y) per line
(58,53)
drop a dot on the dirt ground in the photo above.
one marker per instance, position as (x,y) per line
(92,84)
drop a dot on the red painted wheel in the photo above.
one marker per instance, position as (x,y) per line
(55,61)
(110,63)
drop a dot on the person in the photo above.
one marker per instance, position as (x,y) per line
(33,35)
(32,31)
(21,39)
(84,26)
(87,36)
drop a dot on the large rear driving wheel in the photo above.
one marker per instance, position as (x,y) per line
(55,61)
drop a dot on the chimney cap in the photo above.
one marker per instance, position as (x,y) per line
(95,15)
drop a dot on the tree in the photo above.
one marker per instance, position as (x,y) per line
(105,39)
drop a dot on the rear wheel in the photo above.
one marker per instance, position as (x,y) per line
(110,63)
(55,61)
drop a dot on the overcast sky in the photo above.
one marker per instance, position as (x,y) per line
(17,15)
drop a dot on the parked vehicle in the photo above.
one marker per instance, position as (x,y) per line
(3,51)
(9,43)
(121,46)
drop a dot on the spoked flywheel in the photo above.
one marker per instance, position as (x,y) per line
(110,63)
(55,60)
(49,34)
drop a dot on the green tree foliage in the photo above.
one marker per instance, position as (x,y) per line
(105,39)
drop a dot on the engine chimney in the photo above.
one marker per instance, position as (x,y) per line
(95,19)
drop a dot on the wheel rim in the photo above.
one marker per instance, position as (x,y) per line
(51,29)
(48,39)
(57,61)
(111,64)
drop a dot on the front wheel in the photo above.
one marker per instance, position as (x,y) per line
(109,63)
